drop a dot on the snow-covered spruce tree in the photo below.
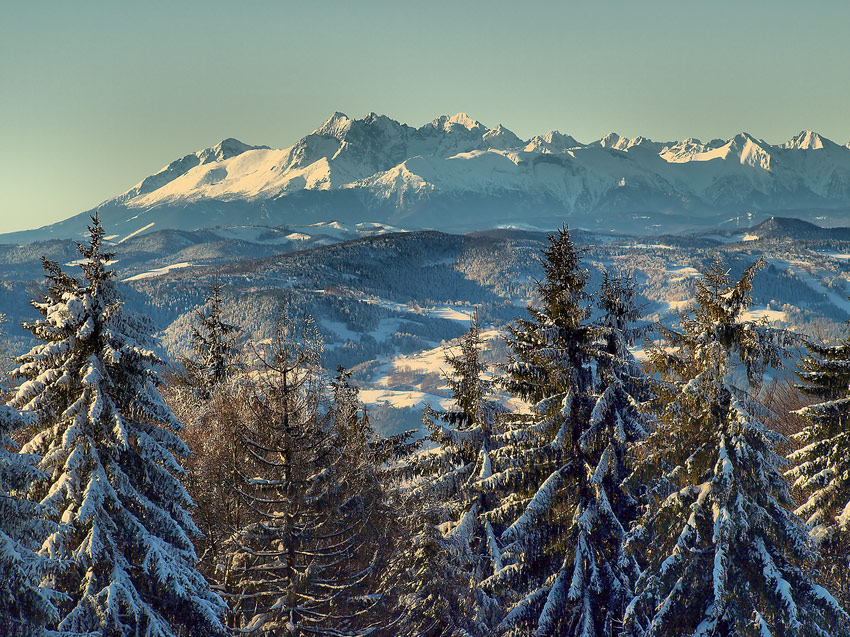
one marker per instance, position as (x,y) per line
(445,480)
(214,343)
(295,560)
(563,569)
(108,444)
(822,465)
(724,554)
(617,422)
(25,607)
(423,592)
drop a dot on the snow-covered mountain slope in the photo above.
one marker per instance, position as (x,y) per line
(456,173)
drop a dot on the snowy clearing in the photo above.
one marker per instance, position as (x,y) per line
(139,231)
(158,271)
(680,274)
(402,399)
(772,316)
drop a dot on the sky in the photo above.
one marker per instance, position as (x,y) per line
(95,96)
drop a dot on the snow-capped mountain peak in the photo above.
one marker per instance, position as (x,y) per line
(225,149)
(552,142)
(683,151)
(336,125)
(808,140)
(462,119)
(748,150)
(458,120)
(456,172)
(618,142)
(613,140)
(502,138)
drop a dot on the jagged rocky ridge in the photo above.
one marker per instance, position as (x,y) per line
(457,174)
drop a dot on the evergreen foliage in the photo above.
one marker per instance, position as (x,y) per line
(822,465)
(302,560)
(446,480)
(214,343)
(25,607)
(362,508)
(424,592)
(108,444)
(724,554)
(616,504)
(558,474)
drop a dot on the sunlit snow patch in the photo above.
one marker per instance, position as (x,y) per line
(158,271)
(679,274)
(133,234)
(772,316)
(71,264)
(403,399)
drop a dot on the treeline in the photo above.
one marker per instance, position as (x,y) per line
(255,497)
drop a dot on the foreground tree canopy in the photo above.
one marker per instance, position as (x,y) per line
(121,542)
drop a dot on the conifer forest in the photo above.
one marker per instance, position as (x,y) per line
(574,491)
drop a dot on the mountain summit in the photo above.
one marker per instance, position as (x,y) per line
(455,173)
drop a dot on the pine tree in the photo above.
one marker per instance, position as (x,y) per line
(122,543)
(25,607)
(214,343)
(724,554)
(455,542)
(558,558)
(299,561)
(616,424)
(822,465)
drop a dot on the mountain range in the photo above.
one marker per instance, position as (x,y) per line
(456,174)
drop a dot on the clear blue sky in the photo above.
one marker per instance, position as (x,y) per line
(94,96)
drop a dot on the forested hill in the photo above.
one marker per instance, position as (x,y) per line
(401,292)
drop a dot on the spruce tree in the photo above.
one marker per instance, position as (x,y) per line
(724,554)
(300,559)
(456,544)
(822,464)
(563,571)
(25,606)
(616,423)
(124,558)
(424,592)
(214,343)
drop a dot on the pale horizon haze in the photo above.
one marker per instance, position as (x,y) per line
(96,96)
